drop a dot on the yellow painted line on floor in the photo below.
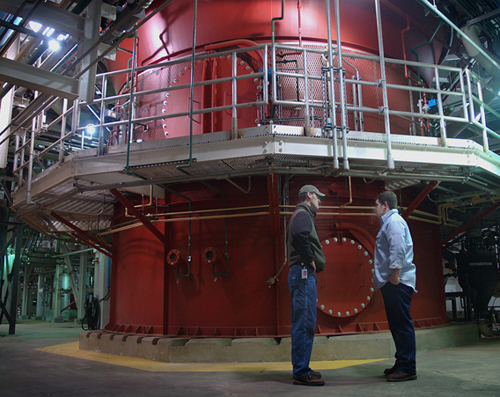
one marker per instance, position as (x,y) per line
(72,350)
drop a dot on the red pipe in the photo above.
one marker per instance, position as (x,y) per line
(403,40)
(145,221)
(300,22)
(423,194)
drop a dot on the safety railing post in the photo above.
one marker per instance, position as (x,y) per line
(333,115)
(442,123)
(383,81)
(342,91)
(307,119)
(486,146)
(234,73)
(63,129)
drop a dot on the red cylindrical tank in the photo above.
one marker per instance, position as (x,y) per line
(246,293)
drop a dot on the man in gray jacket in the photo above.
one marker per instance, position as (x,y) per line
(305,258)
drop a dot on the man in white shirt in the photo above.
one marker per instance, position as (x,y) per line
(395,275)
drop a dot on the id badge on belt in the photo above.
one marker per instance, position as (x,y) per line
(304,273)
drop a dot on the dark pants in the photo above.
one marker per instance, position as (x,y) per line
(304,296)
(397,301)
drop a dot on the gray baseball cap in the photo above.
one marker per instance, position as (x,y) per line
(310,189)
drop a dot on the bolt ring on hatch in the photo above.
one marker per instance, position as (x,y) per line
(345,287)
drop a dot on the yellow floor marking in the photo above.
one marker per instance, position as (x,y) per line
(72,350)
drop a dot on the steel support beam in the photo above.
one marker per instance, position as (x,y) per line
(469,224)
(145,221)
(91,244)
(48,15)
(423,194)
(28,76)
(72,280)
(82,232)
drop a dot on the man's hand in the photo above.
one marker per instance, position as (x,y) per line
(394,277)
(313,265)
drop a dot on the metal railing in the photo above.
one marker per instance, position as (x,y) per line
(309,95)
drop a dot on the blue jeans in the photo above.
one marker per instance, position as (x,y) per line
(304,297)
(397,301)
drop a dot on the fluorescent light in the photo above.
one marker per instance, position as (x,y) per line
(48,31)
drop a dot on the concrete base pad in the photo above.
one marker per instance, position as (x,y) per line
(210,350)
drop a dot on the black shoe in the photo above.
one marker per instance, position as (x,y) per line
(315,374)
(308,380)
(400,376)
(389,371)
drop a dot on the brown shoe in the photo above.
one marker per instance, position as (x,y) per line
(308,380)
(400,376)
(389,371)
(315,374)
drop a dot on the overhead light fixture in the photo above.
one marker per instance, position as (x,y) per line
(90,129)
(34,26)
(54,45)
(48,31)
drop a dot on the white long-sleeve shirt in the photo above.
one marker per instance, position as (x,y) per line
(394,250)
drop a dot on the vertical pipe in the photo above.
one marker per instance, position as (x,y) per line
(102,116)
(190,162)
(266,75)
(15,280)
(390,158)
(307,125)
(16,156)
(299,16)
(234,124)
(486,147)
(442,123)
(355,104)
(464,99)
(332,87)
(82,284)
(277,19)
(131,103)
(360,102)
(25,296)
(273,77)
(342,93)
(30,162)
(472,115)
(63,129)
(21,160)
(75,116)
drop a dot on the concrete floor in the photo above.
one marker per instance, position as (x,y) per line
(43,359)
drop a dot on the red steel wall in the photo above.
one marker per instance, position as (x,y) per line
(149,296)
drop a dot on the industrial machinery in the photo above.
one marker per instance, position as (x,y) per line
(181,159)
